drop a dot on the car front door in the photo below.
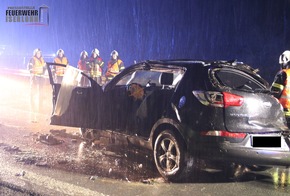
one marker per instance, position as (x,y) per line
(77,101)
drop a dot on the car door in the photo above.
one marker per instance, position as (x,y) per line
(136,101)
(76,100)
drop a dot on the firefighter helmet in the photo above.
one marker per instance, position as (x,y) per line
(114,52)
(59,51)
(284,58)
(83,53)
(35,51)
(96,51)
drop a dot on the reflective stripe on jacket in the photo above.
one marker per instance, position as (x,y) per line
(278,86)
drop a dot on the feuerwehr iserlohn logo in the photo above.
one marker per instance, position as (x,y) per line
(28,15)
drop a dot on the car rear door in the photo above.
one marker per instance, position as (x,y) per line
(248,105)
(76,100)
(136,100)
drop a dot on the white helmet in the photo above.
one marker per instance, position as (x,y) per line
(284,58)
(60,51)
(114,52)
(83,52)
(35,51)
(96,51)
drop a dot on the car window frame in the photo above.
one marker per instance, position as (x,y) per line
(218,83)
(132,74)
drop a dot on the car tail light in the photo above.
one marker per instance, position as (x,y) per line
(221,133)
(218,99)
(209,98)
(232,100)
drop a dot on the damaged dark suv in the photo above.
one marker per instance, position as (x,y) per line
(218,111)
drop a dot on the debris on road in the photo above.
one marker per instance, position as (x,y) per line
(66,150)
(42,164)
(11,148)
(49,139)
(64,134)
(22,173)
(93,177)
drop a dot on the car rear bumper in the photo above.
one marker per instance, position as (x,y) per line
(244,153)
(255,156)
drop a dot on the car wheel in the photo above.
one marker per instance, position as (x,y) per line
(169,155)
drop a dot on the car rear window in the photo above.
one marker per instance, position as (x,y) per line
(236,79)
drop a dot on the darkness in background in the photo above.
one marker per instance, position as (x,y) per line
(253,31)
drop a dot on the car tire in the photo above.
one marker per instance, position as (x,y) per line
(169,156)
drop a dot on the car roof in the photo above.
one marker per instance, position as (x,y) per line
(205,63)
(190,63)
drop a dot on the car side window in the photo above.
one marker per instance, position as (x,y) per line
(236,79)
(141,77)
(152,78)
(126,79)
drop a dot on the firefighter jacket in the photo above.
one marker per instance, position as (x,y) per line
(96,65)
(83,64)
(36,66)
(281,89)
(114,68)
(59,70)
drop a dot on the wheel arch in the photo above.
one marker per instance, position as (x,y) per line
(163,124)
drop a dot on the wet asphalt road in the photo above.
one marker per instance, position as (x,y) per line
(38,181)
(48,181)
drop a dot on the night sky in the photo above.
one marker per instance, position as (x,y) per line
(253,31)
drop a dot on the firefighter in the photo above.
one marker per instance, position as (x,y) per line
(83,64)
(115,65)
(59,70)
(281,85)
(96,65)
(36,68)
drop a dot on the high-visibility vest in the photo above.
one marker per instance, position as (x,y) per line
(115,68)
(59,70)
(285,94)
(38,66)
